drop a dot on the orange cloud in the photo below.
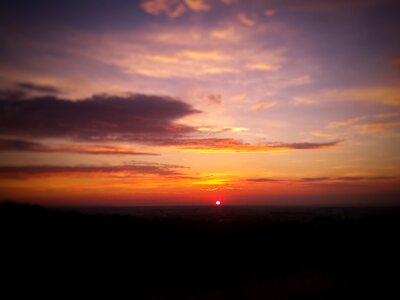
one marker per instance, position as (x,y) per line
(172,8)
(321,134)
(262,67)
(388,115)
(376,126)
(198,5)
(240,97)
(346,122)
(263,106)
(381,95)
(203,55)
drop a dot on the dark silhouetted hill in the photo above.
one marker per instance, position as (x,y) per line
(213,253)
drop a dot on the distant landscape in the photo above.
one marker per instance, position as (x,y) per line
(205,252)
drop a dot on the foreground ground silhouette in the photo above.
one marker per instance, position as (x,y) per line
(202,253)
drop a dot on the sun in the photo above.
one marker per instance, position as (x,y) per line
(218,202)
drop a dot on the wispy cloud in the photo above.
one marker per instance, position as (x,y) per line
(376,127)
(246,20)
(40,88)
(387,115)
(233,145)
(215,98)
(346,122)
(29,146)
(270,12)
(380,95)
(263,180)
(171,8)
(198,5)
(323,179)
(383,95)
(227,2)
(174,8)
(26,172)
(263,105)
(329,6)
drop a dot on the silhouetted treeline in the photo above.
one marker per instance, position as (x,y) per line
(301,254)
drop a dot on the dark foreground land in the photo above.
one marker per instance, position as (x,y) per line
(201,252)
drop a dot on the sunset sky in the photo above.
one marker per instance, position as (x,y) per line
(106,102)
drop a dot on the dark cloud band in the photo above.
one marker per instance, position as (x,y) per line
(100,118)
(28,146)
(49,171)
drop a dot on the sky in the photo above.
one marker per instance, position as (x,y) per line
(186,102)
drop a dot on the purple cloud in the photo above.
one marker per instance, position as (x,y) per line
(263,180)
(28,146)
(99,118)
(323,179)
(23,172)
(41,88)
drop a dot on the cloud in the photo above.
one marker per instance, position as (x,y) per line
(217,99)
(331,5)
(227,2)
(262,67)
(306,145)
(381,95)
(387,115)
(233,145)
(387,121)
(322,134)
(193,53)
(263,105)
(358,178)
(198,5)
(376,126)
(323,179)
(245,20)
(28,146)
(223,129)
(171,8)
(239,97)
(128,170)
(134,118)
(303,100)
(314,179)
(99,118)
(396,63)
(346,122)
(41,88)
(263,180)
(203,55)
(270,12)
